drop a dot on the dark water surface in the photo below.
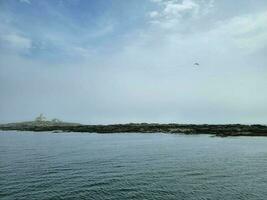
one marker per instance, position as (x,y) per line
(131,166)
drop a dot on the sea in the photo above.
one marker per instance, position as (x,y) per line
(151,166)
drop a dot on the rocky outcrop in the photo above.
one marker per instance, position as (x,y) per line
(219,130)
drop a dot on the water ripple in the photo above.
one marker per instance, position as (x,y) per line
(132,166)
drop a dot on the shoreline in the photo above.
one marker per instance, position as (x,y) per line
(187,129)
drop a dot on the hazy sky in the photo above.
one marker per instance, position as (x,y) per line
(118,61)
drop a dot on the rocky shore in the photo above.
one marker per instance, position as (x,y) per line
(218,130)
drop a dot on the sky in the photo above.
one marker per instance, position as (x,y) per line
(117,61)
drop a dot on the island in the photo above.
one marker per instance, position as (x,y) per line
(42,124)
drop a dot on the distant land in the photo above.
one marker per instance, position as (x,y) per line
(42,124)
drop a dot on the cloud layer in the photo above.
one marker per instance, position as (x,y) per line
(94,62)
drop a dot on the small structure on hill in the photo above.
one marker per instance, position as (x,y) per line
(40,118)
(55,120)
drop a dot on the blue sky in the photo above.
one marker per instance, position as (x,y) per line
(116,61)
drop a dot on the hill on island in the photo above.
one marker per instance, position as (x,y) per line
(40,121)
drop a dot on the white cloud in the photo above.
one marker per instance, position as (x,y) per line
(25,1)
(103,30)
(12,40)
(173,9)
(248,32)
(245,33)
(156,1)
(153,14)
(15,42)
(171,12)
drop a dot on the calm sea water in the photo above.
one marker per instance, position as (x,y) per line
(131,166)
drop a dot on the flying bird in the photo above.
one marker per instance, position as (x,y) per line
(196,64)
